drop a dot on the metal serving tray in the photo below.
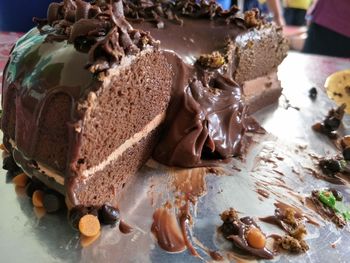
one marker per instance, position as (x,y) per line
(290,144)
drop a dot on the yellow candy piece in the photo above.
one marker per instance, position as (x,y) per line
(338,88)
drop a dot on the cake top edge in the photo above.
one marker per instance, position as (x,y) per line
(103,29)
(96,28)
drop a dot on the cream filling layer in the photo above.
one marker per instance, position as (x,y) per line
(255,87)
(49,172)
(137,137)
(45,170)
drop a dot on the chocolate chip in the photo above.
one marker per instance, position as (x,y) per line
(108,215)
(33,185)
(30,189)
(52,201)
(10,164)
(332,123)
(346,153)
(330,166)
(313,93)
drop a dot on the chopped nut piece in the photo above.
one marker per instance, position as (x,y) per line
(251,18)
(299,232)
(290,217)
(229,215)
(293,245)
(213,60)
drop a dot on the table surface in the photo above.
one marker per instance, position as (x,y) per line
(25,238)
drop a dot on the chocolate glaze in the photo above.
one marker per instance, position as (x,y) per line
(72,50)
(206,121)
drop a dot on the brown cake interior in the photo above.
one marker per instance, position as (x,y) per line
(136,96)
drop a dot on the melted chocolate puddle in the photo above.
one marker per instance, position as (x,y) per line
(172,223)
(167,231)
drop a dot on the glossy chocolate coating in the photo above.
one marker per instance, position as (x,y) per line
(51,61)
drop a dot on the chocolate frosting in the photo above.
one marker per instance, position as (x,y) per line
(99,28)
(208,126)
(75,46)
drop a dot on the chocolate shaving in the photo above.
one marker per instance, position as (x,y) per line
(98,28)
(157,10)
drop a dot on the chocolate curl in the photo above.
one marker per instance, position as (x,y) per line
(69,5)
(117,8)
(88,28)
(54,12)
(83,10)
(105,53)
(117,15)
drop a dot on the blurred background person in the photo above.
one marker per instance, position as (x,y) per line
(271,9)
(295,11)
(329,29)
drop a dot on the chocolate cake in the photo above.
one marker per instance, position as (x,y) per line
(90,92)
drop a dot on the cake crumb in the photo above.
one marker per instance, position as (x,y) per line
(229,215)
(299,232)
(251,18)
(293,245)
(213,60)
